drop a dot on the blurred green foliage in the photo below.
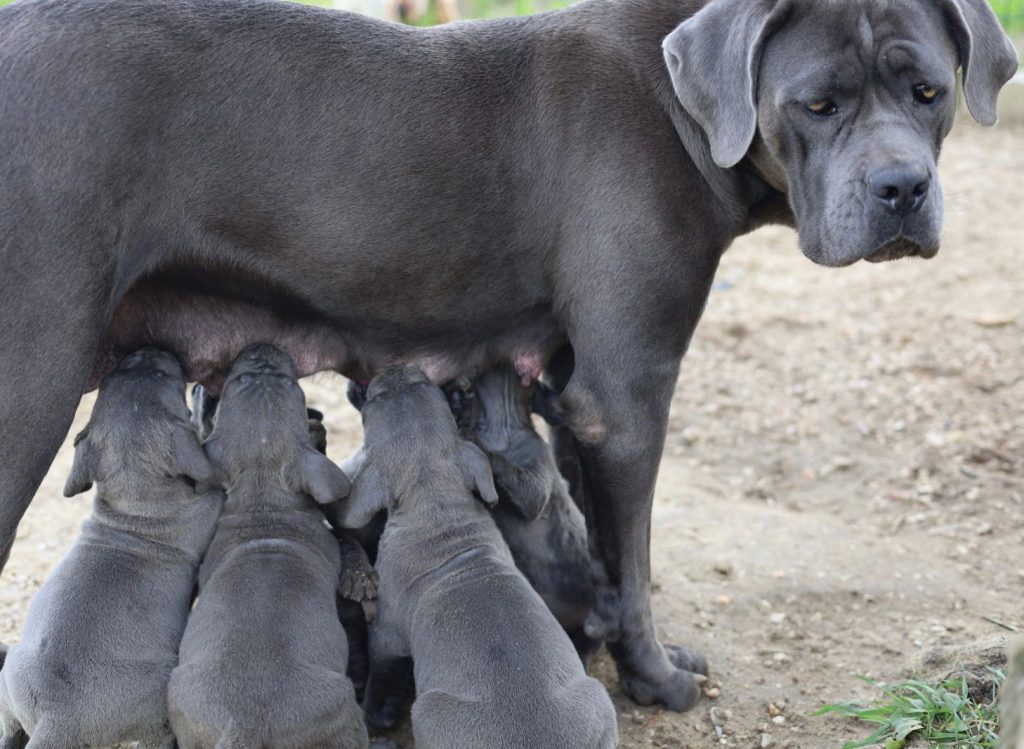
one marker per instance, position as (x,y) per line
(1011,12)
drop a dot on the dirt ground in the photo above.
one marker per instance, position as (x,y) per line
(842,490)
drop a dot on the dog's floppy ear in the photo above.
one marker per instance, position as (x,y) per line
(188,459)
(83,469)
(713,60)
(369,495)
(476,470)
(987,56)
(318,476)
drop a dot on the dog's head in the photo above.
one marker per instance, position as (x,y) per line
(845,104)
(139,444)
(262,432)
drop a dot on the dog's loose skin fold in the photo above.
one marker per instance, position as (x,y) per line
(201,175)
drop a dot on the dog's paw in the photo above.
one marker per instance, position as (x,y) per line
(687,659)
(359,583)
(660,680)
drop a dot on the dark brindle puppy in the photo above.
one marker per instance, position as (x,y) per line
(206,174)
(538,519)
(492,667)
(263,658)
(102,635)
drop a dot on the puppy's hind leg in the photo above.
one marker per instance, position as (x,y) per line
(390,676)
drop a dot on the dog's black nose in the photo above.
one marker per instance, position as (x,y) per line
(902,188)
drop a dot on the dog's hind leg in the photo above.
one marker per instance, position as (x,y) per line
(53,308)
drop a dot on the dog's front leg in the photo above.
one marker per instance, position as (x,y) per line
(621,429)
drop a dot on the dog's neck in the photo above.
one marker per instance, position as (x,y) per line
(748,195)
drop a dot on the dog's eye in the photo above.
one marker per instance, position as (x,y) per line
(925,94)
(823,108)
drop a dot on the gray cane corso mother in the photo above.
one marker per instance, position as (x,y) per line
(553,190)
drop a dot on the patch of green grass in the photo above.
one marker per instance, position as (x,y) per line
(1010,12)
(942,715)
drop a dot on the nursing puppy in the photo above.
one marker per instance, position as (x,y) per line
(540,522)
(263,657)
(102,635)
(492,666)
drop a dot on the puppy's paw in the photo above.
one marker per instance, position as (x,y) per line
(359,583)
(384,717)
(603,622)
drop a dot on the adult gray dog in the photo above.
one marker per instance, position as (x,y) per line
(102,635)
(204,174)
(263,658)
(493,668)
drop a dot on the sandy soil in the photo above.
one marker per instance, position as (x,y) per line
(842,491)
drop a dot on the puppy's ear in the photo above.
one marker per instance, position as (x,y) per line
(476,470)
(713,60)
(318,434)
(188,459)
(370,495)
(317,475)
(987,56)
(83,469)
(545,404)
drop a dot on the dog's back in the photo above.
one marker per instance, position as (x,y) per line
(492,660)
(262,661)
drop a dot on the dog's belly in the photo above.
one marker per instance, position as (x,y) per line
(208,319)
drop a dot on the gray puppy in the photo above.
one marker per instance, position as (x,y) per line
(264,655)
(102,635)
(543,527)
(492,666)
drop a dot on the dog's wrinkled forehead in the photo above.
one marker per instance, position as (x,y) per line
(855,43)
(261,391)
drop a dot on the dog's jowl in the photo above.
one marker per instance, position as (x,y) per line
(102,635)
(263,659)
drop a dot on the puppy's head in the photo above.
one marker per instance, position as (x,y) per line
(410,436)
(261,429)
(846,103)
(502,408)
(139,442)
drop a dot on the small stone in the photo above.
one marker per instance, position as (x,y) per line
(723,600)
(712,693)
(777,617)
(779,720)
(773,710)
(766,740)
